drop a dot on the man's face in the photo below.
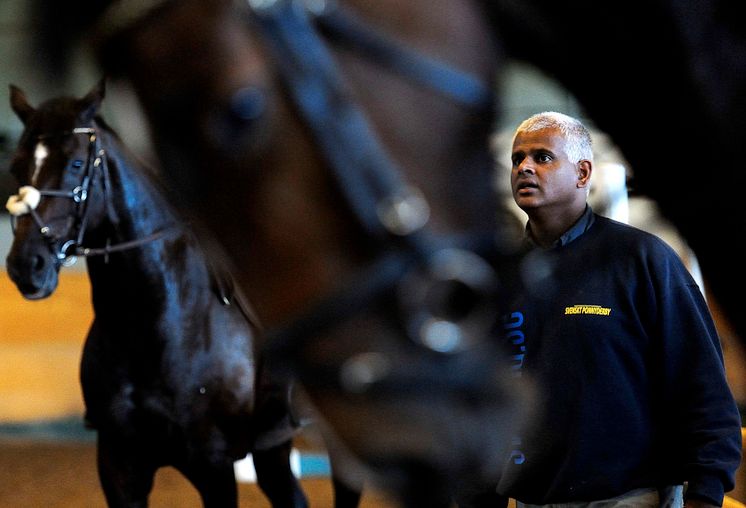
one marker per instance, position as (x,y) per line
(542,175)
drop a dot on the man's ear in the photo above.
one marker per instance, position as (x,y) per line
(585,168)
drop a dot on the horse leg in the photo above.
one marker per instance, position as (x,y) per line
(421,487)
(425,495)
(476,497)
(216,483)
(276,478)
(126,477)
(344,495)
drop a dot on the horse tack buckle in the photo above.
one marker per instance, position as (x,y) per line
(405,212)
(79,194)
(63,257)
(448,304)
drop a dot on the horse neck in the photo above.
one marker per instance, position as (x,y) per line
(135,210)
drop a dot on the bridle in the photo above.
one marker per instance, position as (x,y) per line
(67,249)
(415,263)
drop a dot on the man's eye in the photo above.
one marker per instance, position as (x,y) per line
(543,157)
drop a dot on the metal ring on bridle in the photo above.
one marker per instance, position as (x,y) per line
(405,212)
(79,194)
(447,304)
(63,256)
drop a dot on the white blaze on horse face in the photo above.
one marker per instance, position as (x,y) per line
(40,154)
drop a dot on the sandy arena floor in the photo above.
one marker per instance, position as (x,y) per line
(40,344)
(36,474)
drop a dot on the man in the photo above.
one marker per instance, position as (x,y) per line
(611,328)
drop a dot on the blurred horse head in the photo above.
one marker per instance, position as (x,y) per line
(664,78)
(337,153)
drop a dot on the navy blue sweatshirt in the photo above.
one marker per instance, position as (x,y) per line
(620,344)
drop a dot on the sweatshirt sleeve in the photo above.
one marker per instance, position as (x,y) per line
(704,413)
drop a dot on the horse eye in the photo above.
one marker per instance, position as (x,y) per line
(236,122)
(248,103)
(77,164)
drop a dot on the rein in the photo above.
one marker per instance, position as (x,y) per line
(415,263)
(343,27)
(67,252)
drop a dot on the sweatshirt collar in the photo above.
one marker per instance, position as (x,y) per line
(582,225)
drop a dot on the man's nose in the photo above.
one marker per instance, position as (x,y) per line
(525,167)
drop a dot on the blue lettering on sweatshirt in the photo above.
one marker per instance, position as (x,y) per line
(512,324)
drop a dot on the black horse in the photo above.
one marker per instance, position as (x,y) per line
(169,372)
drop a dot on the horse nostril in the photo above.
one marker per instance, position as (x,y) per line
(452,300)
(37,263)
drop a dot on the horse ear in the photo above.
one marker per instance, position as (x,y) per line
(20,104)
(91,103)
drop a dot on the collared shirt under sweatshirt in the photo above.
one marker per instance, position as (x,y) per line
(619,341)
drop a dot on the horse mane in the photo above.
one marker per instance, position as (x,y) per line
(150,171)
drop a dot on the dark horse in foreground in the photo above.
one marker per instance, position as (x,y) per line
(169,371)
(651,74)
(352,196)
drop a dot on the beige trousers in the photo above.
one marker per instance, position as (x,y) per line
(668,497)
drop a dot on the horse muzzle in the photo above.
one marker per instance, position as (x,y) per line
(34,275)
(449,304)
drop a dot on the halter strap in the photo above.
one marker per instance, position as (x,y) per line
(370,181)
(26,201)
(343,27)
(118,247)
(391,212)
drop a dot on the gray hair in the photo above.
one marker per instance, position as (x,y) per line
(578,143)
